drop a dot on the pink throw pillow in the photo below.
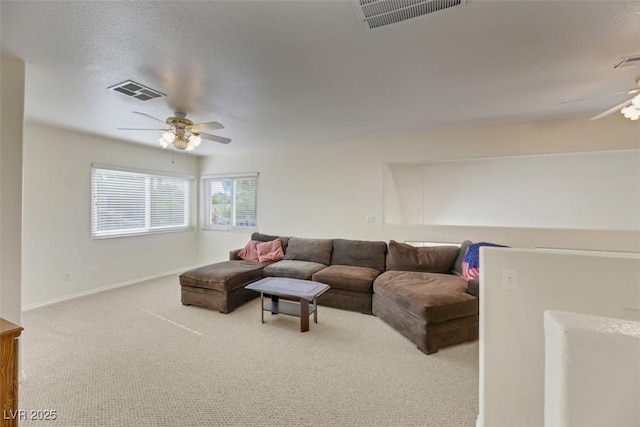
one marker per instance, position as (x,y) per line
(270,251)
(250,251)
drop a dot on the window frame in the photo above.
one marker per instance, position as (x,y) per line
(206,201)
(147,229)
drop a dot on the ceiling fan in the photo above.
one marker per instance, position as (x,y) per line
(629,108)
(182,133)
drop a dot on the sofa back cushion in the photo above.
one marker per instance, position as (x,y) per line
(313,250)
(267,238)
(435,259)
(359,253)
(457,266)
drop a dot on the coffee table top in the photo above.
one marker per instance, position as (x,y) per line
(305,289)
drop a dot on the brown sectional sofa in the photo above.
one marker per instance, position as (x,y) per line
(417,291)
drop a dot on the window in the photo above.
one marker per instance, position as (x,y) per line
(128,202)
(230,201)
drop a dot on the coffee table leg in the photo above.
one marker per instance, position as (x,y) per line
(315,311)
(275,299)
(304,315)
(262,307)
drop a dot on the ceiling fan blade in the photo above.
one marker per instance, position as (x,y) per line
(612,110)
(215,138)
(141,129)
(208,126)
(147,115)
(624,92)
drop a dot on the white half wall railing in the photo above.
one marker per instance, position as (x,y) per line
(512,339)
(592,371)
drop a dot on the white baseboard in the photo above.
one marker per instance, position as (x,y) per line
(103,288)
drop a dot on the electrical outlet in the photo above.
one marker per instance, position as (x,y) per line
(370,218)
(510,279)
(67,277)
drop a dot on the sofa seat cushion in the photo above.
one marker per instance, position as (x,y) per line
(293,269)
(433,297)
(350,278)
(223,276)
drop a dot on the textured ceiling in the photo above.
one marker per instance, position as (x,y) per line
(305,72)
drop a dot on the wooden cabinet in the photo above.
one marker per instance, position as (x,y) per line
(9,334)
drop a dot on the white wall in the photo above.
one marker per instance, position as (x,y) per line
(57,217)
(512,351)
(328,190)
(11,143)
(403,194)
(546,191)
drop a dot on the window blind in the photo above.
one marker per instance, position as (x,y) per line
(126,203)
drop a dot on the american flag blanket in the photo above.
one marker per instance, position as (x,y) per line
(471,260)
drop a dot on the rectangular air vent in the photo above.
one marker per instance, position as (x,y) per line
(378,13)
(628,61)
(136,90)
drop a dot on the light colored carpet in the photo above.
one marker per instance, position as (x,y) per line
(135,356)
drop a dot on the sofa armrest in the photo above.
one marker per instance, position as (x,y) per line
(473,287)
(233,255)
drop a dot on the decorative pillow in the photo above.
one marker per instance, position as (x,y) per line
(434,259)
(471,261)
(267,238)
(270,251)
(250,251)
(457,266)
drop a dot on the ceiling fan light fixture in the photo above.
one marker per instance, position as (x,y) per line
(631,112)
(182,133)
(195,140)
(636,101)
(168,137)
(181,144)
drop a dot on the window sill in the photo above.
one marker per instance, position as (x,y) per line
(142,233)
(242,229)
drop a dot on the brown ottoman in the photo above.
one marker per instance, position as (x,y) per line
(220,286)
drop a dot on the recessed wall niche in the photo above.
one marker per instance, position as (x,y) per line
(591,190)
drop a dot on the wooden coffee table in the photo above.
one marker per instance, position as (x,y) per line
(304,290)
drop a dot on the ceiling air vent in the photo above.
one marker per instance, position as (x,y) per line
(628,61)
(136,90)
(378,13)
